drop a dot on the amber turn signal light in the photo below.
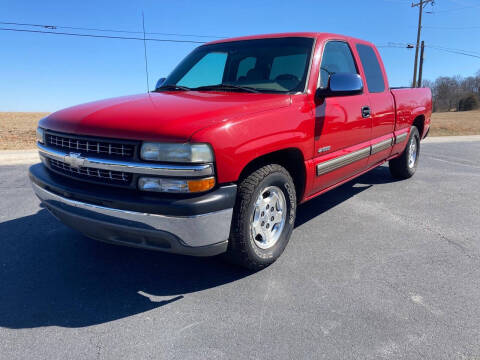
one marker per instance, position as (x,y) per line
(201,184)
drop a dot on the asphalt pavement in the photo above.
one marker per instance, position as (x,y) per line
(375,269)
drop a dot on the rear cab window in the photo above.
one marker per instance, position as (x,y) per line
(372,69)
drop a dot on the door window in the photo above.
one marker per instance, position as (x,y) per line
(337,58)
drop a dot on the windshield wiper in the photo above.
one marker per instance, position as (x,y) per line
(173,87)
(226,86)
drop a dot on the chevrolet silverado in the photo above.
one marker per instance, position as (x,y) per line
(217,158)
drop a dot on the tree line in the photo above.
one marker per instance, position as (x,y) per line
(455,93)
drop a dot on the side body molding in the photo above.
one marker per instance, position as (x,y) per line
(344,160)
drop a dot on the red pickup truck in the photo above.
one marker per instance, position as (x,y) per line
(217,158)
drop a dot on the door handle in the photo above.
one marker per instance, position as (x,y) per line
(365,111)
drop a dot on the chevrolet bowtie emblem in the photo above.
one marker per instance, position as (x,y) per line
(74,160)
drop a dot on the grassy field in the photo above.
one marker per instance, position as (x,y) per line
(17,129)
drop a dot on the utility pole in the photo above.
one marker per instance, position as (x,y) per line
(420,71)
(420,5)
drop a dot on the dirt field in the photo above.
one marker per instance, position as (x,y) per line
(17,129)
(455,123)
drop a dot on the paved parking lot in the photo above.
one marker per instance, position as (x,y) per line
(375,269)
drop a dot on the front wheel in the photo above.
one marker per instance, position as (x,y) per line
(404,166)
(263,217)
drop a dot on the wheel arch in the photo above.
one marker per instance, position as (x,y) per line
(419,123)
(290,158)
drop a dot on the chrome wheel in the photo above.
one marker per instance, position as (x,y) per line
(412,153)
(268,218)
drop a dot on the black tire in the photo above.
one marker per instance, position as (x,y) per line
(242,248)
(399,167)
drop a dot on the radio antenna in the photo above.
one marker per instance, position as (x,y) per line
(145,51)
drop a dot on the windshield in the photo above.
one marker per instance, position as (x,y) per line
(278,65)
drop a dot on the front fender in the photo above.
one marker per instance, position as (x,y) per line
(239,141)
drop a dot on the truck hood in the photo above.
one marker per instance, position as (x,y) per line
(165,116)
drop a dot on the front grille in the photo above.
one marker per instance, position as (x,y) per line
(107,177)
(105,148)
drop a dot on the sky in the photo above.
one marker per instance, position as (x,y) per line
(42,72)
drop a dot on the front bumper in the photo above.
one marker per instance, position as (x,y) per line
(197,226)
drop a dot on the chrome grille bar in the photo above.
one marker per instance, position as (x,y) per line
(99,147)
(190,170)
(92,174)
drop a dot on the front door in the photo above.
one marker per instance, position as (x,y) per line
(342,123)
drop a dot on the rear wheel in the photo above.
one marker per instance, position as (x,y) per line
(405,165)
(263,218)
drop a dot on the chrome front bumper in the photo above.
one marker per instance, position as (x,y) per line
(199,235)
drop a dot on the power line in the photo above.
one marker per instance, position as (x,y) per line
(453,51)
(451,27)
(440,48)
(395,1)
(145,51)
(395,46)
(54,27)
(391,45)
(102,36)
(453,10)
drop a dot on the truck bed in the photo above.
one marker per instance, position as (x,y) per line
(411,103)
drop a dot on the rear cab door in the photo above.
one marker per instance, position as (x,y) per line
(382,106)
(342,129)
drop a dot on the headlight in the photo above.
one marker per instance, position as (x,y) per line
(175,185)
(172,152)
(40,135)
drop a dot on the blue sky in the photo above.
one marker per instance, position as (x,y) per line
(50,72)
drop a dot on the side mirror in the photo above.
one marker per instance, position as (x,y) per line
(160,82)
(342,84)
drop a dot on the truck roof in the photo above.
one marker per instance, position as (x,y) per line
(315,35)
